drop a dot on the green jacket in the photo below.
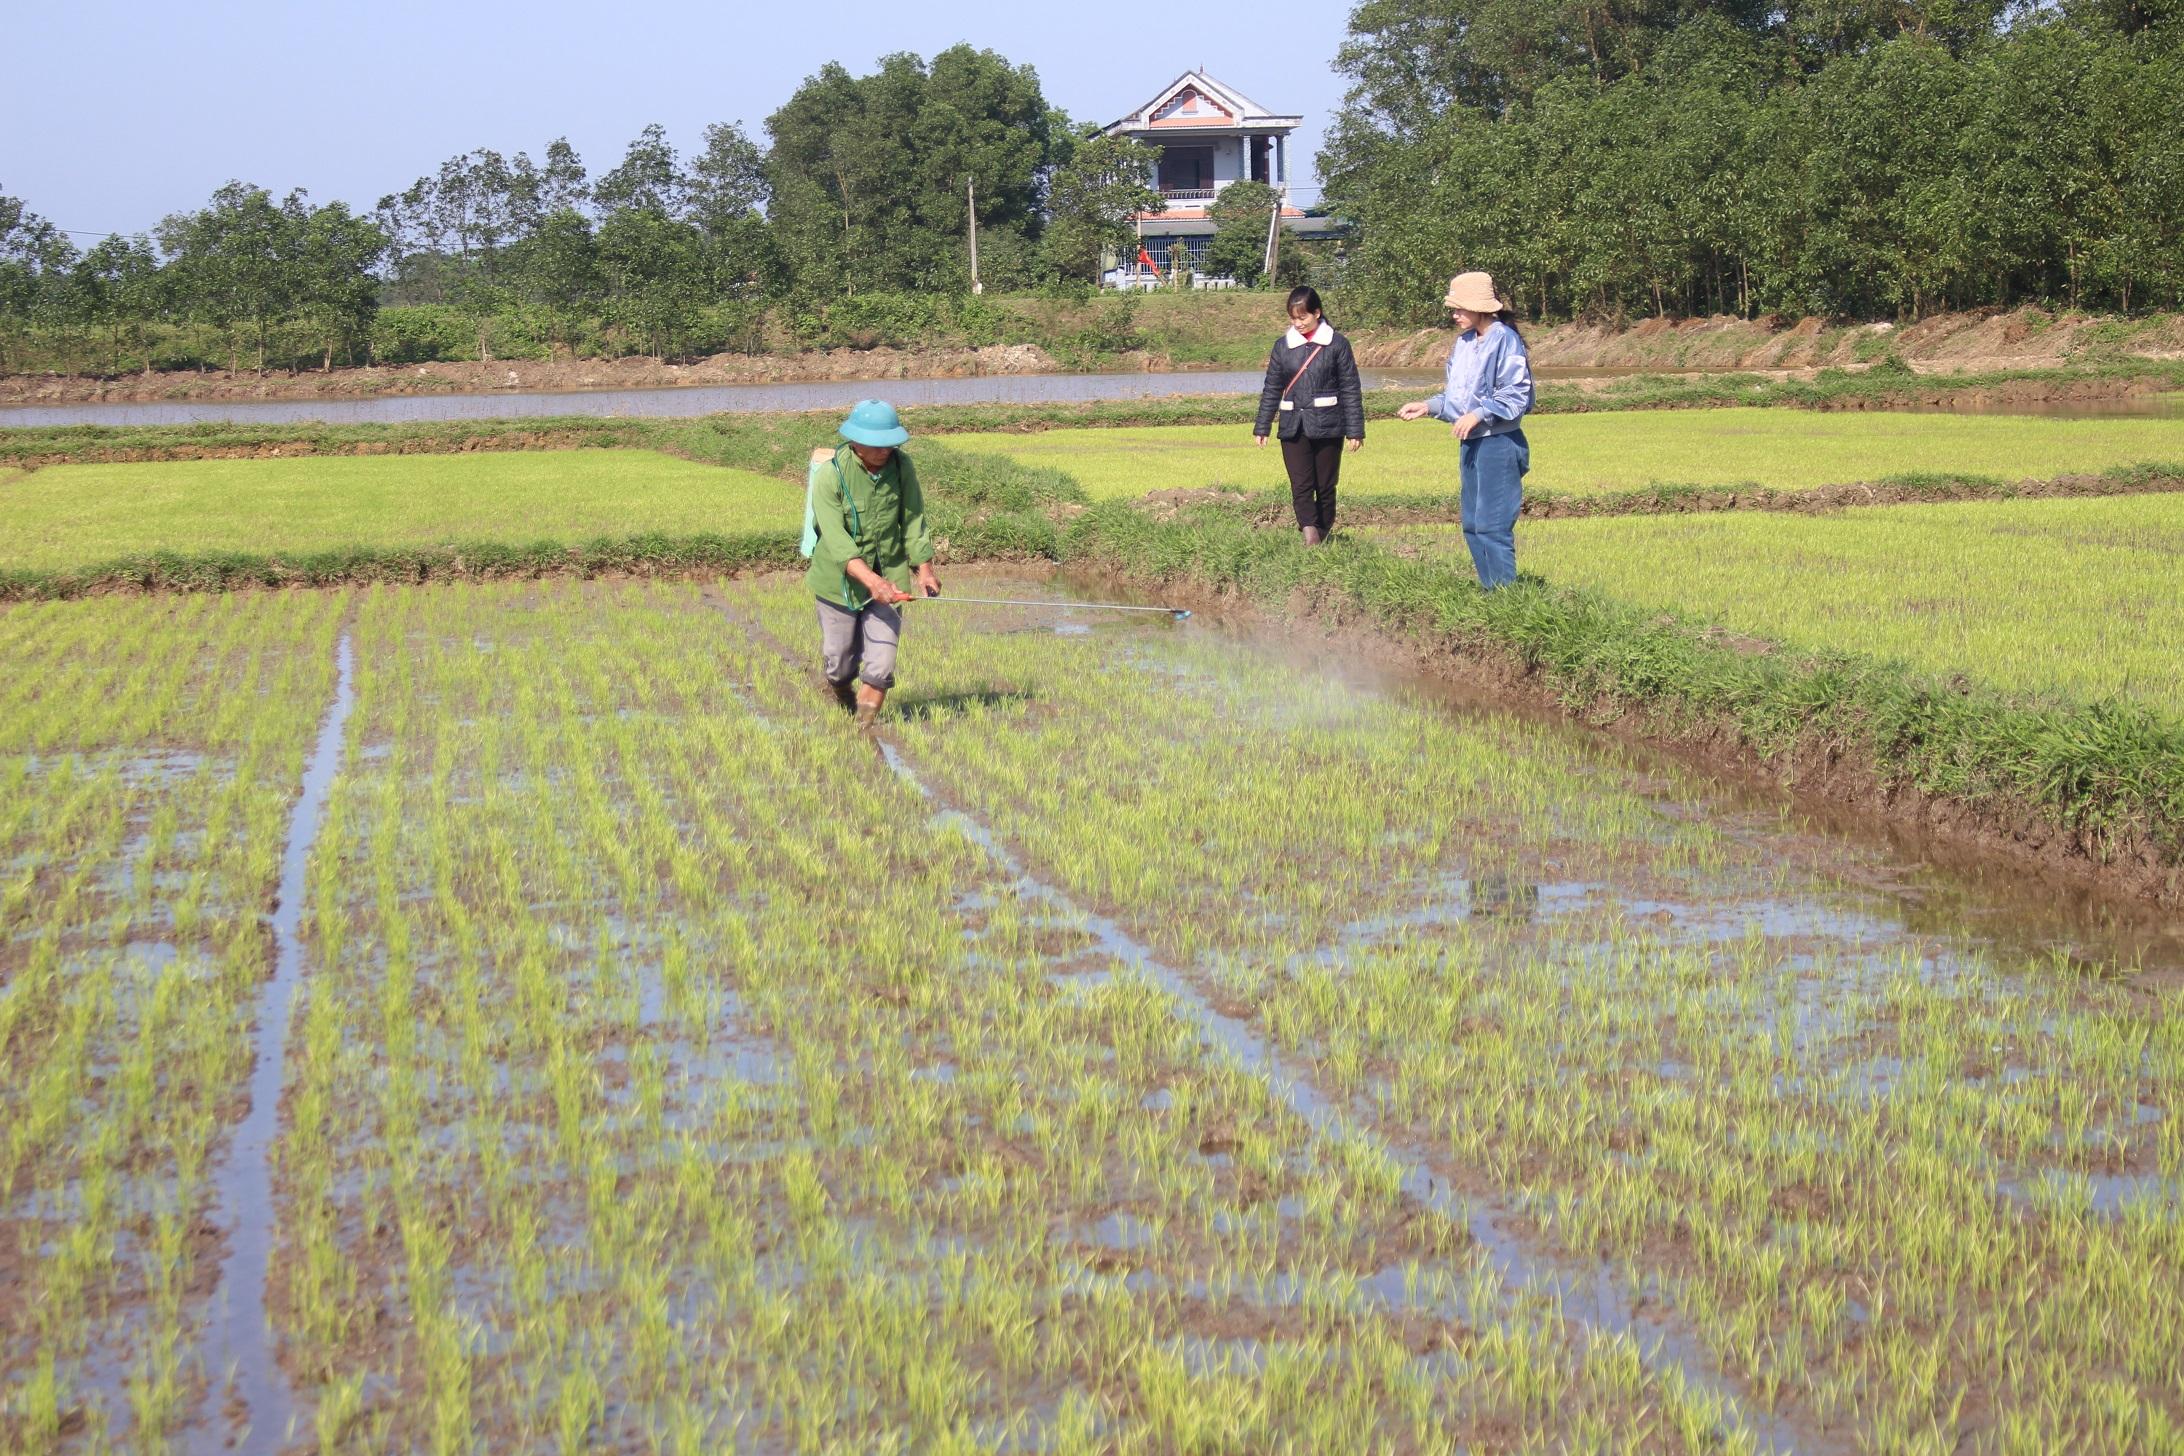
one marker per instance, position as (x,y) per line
(879,518)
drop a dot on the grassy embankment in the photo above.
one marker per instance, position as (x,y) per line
(2103,779)
(2060,599)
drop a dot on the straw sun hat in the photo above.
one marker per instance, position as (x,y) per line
(1474,291)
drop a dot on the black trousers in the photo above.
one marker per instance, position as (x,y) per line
(1313,466)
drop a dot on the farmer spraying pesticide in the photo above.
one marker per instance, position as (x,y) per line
(864,530)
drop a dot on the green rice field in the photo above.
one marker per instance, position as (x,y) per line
(69,515)
(1156,1039)
(1781,448)
(2080,598)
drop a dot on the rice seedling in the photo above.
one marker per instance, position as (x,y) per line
(1698,1055)
(1581,453)
(148,754)
(1188,1047)
(73,515)
(2066,599)
(774,1110)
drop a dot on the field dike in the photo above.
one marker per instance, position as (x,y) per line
(1589,1298)
(244,1347)
(1669,500)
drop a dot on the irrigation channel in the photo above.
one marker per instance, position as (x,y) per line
(245,1345)
(676,403)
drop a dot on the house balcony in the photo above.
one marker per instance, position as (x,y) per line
(1189,194)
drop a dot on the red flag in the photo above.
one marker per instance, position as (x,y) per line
(1147,259)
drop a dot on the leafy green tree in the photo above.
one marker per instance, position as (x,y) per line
(726,194)
(559,268)
(561,182)
(655,275)
(335,253)
(35,261)
(117,289)
(1092,200)
(870,175)
(647,179)
(1241,214)
(233,264)
(448,233)
(1835,157)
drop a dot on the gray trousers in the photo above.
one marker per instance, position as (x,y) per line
(859,644)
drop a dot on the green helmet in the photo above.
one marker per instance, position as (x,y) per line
(874,422)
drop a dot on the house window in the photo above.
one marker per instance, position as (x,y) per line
(1186,169)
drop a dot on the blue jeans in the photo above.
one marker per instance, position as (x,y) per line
(1493,470)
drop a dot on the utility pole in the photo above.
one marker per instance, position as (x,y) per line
(970,192)
(1274,232)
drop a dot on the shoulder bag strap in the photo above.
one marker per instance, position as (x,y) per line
(1292,384)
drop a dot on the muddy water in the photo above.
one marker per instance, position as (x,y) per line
(667,403)
(243,1341)
(692,401)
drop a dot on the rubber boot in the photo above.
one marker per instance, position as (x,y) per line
(1311,535)
(845,693)
(869,699)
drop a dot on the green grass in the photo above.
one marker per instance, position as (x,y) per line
(1617,451)
(69,515)
(2082,598)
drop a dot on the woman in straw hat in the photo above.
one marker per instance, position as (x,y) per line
(1486,394)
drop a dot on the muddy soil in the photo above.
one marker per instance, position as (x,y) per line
(1979,341)
(473,377)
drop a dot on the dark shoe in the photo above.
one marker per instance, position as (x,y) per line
(845,694)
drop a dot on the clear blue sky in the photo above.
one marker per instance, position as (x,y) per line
(115,115)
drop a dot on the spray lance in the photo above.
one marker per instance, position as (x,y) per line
(1175,613)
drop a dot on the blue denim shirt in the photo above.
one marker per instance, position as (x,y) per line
(1489,372)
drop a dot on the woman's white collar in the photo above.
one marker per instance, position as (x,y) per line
(1324,334)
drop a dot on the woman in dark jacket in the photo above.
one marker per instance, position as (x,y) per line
(1311,384)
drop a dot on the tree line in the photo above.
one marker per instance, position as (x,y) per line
(1860,158)
(856,208)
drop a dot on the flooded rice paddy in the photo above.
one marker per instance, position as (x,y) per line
(1158,1038)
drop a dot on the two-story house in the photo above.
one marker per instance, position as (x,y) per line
(1208,135)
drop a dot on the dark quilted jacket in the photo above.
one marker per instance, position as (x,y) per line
(1326,403)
